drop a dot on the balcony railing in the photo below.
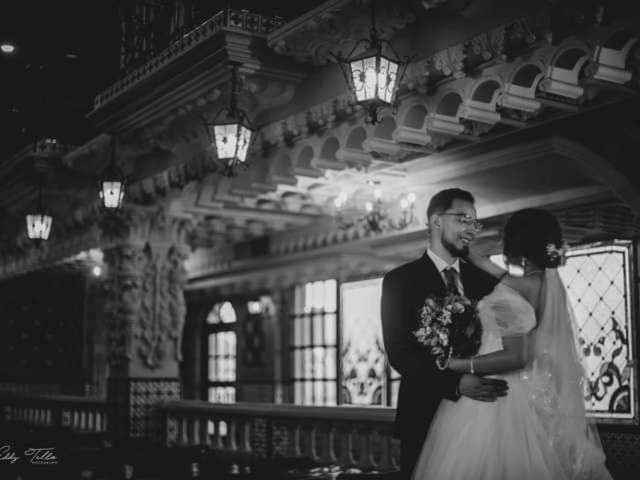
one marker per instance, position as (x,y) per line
(345,436)
(151,61)
(80,414)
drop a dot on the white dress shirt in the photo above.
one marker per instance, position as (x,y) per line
(441,265)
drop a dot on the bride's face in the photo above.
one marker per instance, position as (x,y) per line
(458,228)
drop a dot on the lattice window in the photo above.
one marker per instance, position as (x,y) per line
(221,361)
(598,280)
(366,378)
(314,343)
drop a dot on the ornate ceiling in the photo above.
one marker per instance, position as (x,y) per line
(532,106)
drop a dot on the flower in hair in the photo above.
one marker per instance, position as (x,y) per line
(555,255)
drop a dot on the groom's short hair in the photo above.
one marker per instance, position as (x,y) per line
(443,200)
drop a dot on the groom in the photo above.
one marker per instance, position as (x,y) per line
(452,228)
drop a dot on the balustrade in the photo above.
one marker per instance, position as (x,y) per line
(345,436)
(79,414)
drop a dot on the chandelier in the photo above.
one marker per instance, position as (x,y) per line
(230,133)
(372,76)
(39,223)
(112,185)
(377,216)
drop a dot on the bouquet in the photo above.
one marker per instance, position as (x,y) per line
(449,327)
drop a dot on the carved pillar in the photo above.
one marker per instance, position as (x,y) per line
(144,318)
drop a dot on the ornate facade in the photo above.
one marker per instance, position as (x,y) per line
(527,105)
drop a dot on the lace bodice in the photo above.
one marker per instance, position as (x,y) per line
(504,312)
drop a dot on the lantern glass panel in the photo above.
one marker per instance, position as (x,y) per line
(387,77)
(244,138)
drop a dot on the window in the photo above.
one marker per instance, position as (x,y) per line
(598,279)
(598,282)
(221,364)
(366,378)
(359,372)
(314,343)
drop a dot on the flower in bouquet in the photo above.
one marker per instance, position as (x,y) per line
(449,327)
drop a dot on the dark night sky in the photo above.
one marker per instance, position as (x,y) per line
(44,91)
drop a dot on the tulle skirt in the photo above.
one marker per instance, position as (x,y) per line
(502,440)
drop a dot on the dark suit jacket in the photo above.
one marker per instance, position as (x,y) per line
(422,385)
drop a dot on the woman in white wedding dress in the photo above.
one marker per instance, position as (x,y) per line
(539,430)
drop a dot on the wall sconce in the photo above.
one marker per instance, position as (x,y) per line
(376,217)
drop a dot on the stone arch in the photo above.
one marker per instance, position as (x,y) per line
(527,75)
(306,154)
(449,105)
(415,116)
(570,56)
(356,138)
(611,58)
(259,169)
(282,165)
(487,91)
(385,128)
(329,148)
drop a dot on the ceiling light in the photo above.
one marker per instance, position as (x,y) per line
(39,222)
(373,76)
(113,182)
(231,132)
(377,216)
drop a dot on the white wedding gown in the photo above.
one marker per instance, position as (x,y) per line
(539,430)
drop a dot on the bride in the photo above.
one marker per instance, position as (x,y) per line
(539,430)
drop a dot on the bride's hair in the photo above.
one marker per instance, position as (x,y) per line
(534,235)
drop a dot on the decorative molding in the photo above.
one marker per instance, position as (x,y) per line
(239,20)
(145,308)
(334,25)
(450,61)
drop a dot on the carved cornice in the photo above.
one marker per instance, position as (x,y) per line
(337,25)
(242,20)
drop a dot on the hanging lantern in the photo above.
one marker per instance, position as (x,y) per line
(373,77)
(39,226)
(232,141)
(231,133)
(112,185)
(39,223)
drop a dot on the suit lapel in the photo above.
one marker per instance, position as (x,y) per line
(468,278)
(433,281)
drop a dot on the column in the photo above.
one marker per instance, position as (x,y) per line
(144,318)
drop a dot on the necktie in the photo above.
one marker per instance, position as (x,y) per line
(451,280)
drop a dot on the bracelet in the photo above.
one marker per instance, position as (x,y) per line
(471,369)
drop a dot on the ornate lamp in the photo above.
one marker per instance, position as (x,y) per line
(112,185)
(39,223)
(376,218)
(230,132)
(373,77)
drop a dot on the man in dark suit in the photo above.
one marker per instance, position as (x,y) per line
(452,228)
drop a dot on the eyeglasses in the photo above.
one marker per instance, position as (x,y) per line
(467,220)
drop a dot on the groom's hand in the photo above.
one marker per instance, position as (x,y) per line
(482,389)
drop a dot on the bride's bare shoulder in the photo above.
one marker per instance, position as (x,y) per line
(528,286)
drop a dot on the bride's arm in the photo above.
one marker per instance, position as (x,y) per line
(513,356)
(526,286)
(484,263)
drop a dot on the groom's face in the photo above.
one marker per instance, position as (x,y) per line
(456,233)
